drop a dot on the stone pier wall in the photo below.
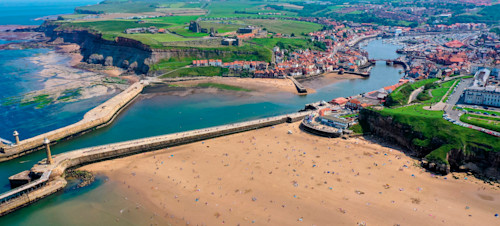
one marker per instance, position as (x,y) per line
(99,153)
(32,196)
(95,118)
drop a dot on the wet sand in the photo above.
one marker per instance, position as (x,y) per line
(270,177)
(268,85)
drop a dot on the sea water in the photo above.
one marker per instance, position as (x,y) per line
(99,203)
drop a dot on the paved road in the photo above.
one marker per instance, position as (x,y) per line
(414,94)
(454,114)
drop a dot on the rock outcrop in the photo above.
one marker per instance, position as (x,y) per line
(480,159)
(124,51)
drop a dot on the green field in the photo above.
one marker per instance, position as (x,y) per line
(480,111)
(491,123)
(185,32)
(438,134)
(196,71)
(401,94)
(117,7)
(437,92)
(285,43)
(226,9)
(221,28)
(285,26)
(110,29)
(256,53)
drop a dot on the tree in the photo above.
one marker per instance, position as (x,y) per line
(292,35)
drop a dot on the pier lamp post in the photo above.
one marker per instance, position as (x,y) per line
(16,135)
(47,148)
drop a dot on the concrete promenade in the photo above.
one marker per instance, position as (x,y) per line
(98,117)
(13,199)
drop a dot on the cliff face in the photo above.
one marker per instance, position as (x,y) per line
(478,158)
(124,52)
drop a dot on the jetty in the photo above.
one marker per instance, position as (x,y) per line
(47,176)
(98,117)
(300,87)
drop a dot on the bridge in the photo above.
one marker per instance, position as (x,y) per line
(45,179)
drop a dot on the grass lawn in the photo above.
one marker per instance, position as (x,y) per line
(285,26)
(401,94)
(184,31)
(173,20)
(289,43)
(112,26)
(481,111)
(118,7)
(110,29)
(490,123)
(221,28)
(435,131)
(222,86)
(349,115)
(439,92)
(196,71)
(226,9)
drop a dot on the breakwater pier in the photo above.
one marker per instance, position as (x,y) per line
(298,85)
(46,178)
(98,117)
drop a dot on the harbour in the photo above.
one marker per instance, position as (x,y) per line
(138,116)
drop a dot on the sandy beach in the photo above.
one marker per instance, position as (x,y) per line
(268,85)
(270,177)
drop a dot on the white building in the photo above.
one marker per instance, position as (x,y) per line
(480,93)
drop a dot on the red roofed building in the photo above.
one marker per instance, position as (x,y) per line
(454,44)
(323,111)
(339,101)
(353,104)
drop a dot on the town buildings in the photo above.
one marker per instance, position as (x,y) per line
(484,90)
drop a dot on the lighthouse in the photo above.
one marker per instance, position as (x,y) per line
(16,135)
(47,148)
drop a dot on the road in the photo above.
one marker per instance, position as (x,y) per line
(414,94)
(454,114)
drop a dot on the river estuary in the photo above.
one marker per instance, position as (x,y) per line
(100,204)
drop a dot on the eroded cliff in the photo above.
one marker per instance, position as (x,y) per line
(128,53)
(479,158)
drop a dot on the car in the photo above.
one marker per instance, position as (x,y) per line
(493,114)
(486,113)
(470,127)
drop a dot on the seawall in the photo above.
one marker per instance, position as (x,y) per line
(16,198)
(98,117)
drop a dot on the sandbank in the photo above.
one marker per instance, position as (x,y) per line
(271,177)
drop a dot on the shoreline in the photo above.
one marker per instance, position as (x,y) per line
(287,181)
(263,86)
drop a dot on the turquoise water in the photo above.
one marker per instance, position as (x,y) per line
(23,12)
(166,114)
(99,204)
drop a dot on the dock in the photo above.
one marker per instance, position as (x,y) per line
(47,178)
(300,87)
(98,117)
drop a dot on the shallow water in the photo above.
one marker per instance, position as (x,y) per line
(100,203)
(162,114)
